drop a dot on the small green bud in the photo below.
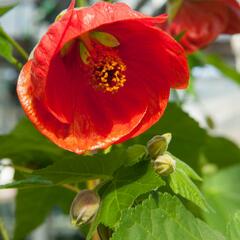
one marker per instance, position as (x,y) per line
(158,145)
(84,207)
(164,165)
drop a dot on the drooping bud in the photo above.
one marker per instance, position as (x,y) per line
(164,165)
(84,207)
(158,145)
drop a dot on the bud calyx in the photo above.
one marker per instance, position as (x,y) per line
(158,145)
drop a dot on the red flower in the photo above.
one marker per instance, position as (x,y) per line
(100,75)
(202,21)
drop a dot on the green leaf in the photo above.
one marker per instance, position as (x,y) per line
(223,193)
(162,216)
(135,154)
(127,185)
(33,181)
(34,205)
(187,137)
(233,227)
(187,169)
(4,8)
(181,184)
(221,152)
(26,146)
(71,167)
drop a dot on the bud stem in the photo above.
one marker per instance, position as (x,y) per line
(22,52)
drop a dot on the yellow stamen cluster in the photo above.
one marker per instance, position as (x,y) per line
(108,73)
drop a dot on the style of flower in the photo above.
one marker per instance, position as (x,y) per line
(100,75)
(200,22)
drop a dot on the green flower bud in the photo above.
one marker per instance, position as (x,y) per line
(164,165)
(84,207)
(158,145)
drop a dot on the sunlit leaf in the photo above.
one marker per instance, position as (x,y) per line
(163,217)
(182,185)
(233,227)
(120,193)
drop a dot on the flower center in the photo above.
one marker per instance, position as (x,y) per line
(99,54)
(108,73)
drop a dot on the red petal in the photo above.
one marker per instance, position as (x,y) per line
(73,24)
(157,67)
(152,49)
(85,119)
(234,17)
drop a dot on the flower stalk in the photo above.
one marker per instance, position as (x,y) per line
(15,44)
(81,3)
(3,231)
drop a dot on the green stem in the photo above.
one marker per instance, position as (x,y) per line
(3,231)
(16,63)
(81,3)
(22,169)
(29,171)
(71,188)
(21,51)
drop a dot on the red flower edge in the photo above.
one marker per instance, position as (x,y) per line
(56,95)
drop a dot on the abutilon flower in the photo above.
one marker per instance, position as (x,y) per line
(100,75)
(200,22)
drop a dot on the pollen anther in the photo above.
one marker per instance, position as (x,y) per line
(108,73)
